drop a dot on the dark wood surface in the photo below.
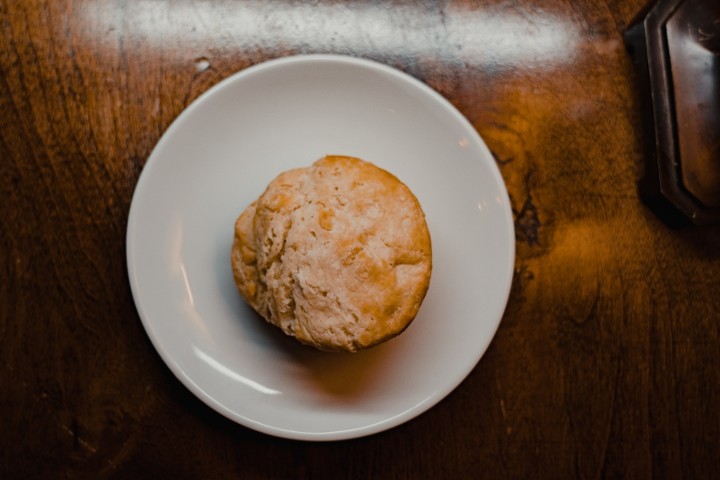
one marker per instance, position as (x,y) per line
(606,363)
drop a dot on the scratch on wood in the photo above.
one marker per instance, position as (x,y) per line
(76,438)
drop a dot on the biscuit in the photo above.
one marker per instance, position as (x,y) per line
(337,254)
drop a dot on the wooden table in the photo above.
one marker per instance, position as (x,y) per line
(605,364)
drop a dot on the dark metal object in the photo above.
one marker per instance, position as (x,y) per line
(676,47)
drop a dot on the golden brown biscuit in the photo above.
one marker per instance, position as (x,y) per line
(337,254)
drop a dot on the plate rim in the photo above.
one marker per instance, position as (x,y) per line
(427,402)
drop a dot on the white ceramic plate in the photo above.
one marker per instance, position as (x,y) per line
(219,155)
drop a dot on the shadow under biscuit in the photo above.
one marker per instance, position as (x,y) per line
(339,374)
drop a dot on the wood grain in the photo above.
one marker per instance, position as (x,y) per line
(606,362)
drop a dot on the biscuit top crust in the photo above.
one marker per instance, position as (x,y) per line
(337,254)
